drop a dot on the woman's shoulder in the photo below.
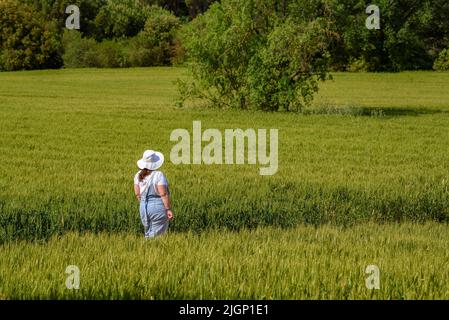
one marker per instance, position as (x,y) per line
(160,176)
(159,173)
(136,177)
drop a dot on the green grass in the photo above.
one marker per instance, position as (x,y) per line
(70,140)
(399,93)
(301,263)
(371,153)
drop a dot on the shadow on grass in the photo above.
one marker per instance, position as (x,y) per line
(374,111)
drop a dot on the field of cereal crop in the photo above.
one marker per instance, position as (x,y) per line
(367,168)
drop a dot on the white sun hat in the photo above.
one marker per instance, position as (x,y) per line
(151,160)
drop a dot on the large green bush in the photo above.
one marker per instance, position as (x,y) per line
(78,52)
(156,44)
(283,73)
(247,55)
(86,52)
(112,54)
(27,40)
(442,62)
(121,18)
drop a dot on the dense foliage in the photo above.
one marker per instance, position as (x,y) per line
(113,33)
(412,34)
(155,45)
(255,57)
(27,39)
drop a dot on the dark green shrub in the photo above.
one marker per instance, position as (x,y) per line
(121,18)
(156,44)
(112,54)
(27,40)
(84,52)
(442,62)
(79,52)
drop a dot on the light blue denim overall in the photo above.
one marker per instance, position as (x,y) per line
(152,212)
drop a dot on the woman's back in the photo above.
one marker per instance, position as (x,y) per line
(148,185)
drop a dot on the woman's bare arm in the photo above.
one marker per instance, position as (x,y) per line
(137,191)
(162,190)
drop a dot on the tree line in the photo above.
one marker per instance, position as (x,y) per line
(414,34)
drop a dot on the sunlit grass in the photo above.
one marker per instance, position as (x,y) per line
(301,263)
(406,91)
(372,152)
(71,138)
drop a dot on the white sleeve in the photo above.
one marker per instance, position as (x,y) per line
(161,180)
(136,178)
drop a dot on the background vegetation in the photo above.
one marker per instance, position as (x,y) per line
(255,57)
(412,35)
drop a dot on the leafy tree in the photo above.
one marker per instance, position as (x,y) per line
(55,10)
(411,35)
(79,52)
(27,40)
(412,32)
(249,56)
(122,18)
(155,45)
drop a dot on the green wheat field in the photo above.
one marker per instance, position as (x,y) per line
(363,180)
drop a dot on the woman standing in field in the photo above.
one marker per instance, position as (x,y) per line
(151,189)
